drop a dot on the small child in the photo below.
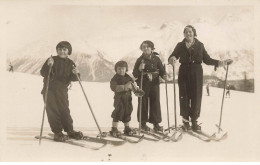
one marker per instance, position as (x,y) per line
(57,105)
(121,85)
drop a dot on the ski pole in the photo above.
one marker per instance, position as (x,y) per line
(166,91)
(45,101)
(140,99)
(174,91)
(219,126)
(101,134)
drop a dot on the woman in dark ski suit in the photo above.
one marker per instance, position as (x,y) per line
(152,68)
(191,53)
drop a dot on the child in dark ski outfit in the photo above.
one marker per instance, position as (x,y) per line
(121,85)
(152,68)
(63,71)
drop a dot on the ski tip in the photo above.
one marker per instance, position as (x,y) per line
(224,136)
(141,138)
(179,137)
(213,136)
(219,127)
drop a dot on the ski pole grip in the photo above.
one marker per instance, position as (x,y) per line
(77,74)
(50,65)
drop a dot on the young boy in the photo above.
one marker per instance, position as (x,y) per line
(63,71)
(121,85)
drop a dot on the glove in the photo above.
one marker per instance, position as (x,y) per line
(172,60)
(75,70)
(50,61)
(128,86)
(150,76)
(141,67)
(225,62)
(137,91)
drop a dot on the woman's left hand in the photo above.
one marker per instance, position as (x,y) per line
(225,62)
(228,61)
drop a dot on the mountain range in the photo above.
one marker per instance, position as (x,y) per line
(230,37)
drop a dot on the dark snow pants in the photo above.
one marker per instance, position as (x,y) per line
(190,82)
(123,107)
(58,112)
(152,92)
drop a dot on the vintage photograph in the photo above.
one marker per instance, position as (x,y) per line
(129,81)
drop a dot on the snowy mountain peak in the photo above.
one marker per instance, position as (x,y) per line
(230,17)
(202,20)
(171,25)
(91,62)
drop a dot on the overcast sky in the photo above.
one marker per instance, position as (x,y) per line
(26,23)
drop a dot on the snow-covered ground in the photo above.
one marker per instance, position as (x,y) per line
(23,115)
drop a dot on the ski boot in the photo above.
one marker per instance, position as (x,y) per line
(115,132)
(186,126)
(157,128)
(145,127)
(75,135)
(129,131)
(195,127)
(60,137)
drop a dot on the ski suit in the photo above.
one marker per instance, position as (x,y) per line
(57,105)
(190,78)
(153,66)
(122,99)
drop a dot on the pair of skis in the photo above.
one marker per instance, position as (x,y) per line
(79,143)
(217,136)
(198,134)
(83,142)
(167,137)
(201,135)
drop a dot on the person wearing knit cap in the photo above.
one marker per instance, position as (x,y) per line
(191,53)
(63,71)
